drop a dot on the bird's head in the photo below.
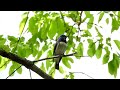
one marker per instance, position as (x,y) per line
(62,38)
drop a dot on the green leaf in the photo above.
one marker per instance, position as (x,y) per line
(72,75)
(114,12)
(61,70)
(49,53)
(87,13)
(11,70)
(48,64)
(90,23)
(42,34)
(12,38)
(53,28)
(39,54)
(43,67)
(6,48)
(19,70)
(116,60)
(66,63)
(108,41)
(1,36)
(119,13)
(106,58)
(15,64)
(91,50)
(21,51)
(74,30)
(117,42)
(90,40)
(52,71)
(32,40)
(66,76)
(99,51)
(32,27)
(0,60)
(116,63)
(99,34)
(107,20)
(60,26)
(22,39)
(35,51)
(106,49)
(25,14)
(74,15)
(3,63)
(111,67)
(27,49)
(115,24)
(80,49)
(2,41)
(45,47)
(101,16)
(70,59)
(118,17)
(22,24)
(86,33)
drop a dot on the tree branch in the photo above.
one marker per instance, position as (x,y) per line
(28,64)
(54,57)
(79,23)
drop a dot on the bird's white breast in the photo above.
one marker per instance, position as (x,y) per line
(61,47)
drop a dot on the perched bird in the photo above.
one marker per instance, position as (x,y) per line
(59,49)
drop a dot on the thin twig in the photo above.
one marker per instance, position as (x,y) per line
(93,24)
(71,29)
(55,57)
(30,74)
(80,19)
(82,73)
(14,71)
(79,24)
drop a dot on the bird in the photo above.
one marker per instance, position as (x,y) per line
(59,49)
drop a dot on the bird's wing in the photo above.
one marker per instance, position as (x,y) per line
(55,48)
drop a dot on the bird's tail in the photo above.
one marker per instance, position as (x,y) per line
(57,66)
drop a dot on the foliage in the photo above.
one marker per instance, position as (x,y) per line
(45,26)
